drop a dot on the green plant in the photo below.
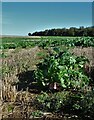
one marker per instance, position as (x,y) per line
(41,55)
(52,102)
(63,68)
(12,43)
(80,104)
(87,104)
(10,108)
(75,103)
(36,113)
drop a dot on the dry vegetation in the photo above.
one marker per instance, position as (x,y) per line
(17,62)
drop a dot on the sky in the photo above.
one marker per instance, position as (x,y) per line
(47,0)
(20,18)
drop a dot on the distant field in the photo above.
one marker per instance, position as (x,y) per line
(44,41)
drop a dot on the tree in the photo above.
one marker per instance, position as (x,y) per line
(72,31)
(29,34)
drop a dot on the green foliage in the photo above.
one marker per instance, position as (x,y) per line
(74,103)
(12,43)
(41,55)
(52,102)
(76,41)
(81,104)
(10,108)
(87,104)
(63,68)
(36,113)
(72,31)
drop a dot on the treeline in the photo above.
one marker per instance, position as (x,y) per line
(72,31)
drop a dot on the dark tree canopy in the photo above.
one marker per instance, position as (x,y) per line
(29,34)
(72,31)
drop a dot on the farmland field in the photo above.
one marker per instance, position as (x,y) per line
(27,42)
(47,76)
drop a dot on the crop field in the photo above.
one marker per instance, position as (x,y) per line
(47,77)
(12,43)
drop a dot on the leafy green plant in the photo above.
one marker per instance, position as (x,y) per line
(63,68)
(74,103)
(12,43)
(52,102)
(81,104)
(87,103)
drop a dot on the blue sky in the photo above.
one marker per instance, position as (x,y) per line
(47,0)
(19,18)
